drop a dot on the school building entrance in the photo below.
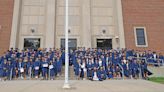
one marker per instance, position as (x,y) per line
(104,43)
(33,43)
(72,43)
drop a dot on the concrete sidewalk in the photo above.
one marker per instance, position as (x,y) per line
(82,86)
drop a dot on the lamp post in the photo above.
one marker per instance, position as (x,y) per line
(66,83)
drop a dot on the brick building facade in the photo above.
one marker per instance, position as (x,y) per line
(6,13)
(144,15)
(148,14)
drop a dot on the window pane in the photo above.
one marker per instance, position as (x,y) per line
(140,34)
(141,41)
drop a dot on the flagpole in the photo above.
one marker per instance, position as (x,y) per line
(66,83)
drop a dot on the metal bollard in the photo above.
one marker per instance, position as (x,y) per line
(140,74)
(49,74)
(30,69)
(11,73)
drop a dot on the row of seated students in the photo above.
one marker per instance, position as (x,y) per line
(92,64)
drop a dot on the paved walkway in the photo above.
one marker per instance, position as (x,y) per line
(82,86)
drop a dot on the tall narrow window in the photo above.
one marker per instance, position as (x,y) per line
(140,35)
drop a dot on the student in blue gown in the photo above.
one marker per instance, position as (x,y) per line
(135,73)
(109,72)
(126,69)
(63,57)
(95,74)
(131,68)
(145,72)
(13,60)
(83,72)
(149,57)
(25,61)
(20,66)
(103,61)
(51,70)
(115,60)
(59,66)
(154,56)
(161,59)
(5,69)
(107,61)
(1,70)
(101,74)
(55,66)
(36,66)
(96,63)
(118,71)
(90,66)
(71,56)
(77,68)
(45,68)
(29,68)
(9,69)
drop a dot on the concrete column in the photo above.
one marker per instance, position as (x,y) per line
(50,24)
(86,23)
(15,23)
(120,24)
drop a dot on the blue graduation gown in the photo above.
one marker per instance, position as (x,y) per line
(135,69)
(55,67)
(109,72)
(96,65)
(126,71)
(101,75)
(9,68)
(14,64)
(1,70)
(52,71)
(90,67)
(44,69)
(36,64)
(28,65)
(19,66)
(59,65)
(5,70)
(76,68)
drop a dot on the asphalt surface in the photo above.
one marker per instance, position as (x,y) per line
(81,86)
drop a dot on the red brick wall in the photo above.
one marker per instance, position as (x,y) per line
(6,13)
(147,13)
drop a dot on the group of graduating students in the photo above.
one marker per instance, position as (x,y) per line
(98,64)
(91,63)
(30,63)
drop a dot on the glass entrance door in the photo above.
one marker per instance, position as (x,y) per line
(72,43)
(32,43)
(104,43)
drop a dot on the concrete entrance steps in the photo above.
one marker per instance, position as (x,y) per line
(157,71)
(71,74)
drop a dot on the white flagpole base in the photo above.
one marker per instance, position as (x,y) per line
(66,86)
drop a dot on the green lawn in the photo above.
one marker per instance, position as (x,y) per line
(157,79)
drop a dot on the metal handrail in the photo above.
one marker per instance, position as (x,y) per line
(155,63)
(146,60)
(122,70)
